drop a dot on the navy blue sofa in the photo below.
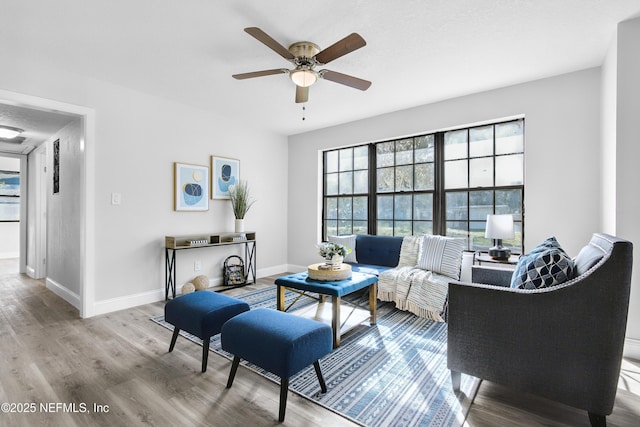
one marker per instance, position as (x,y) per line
(376,254)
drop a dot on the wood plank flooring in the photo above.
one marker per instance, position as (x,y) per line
(119,363)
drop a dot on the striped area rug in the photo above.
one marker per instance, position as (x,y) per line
(391,374)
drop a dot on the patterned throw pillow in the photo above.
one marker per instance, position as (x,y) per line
(409,251)
(350,242)
(546,265)
(549,243)
(441,254)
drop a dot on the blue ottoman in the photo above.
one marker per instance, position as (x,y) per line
(278,342)
(202,314)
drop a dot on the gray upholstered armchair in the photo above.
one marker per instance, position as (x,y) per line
(563,343)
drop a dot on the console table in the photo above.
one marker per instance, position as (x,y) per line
(174,244)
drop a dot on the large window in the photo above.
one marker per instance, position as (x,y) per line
(442,183)
(405,184)
(483,174)
(346,187)
(9,196)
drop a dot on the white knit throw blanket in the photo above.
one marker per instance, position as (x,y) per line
(412,289)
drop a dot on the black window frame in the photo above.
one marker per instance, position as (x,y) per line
(439,192)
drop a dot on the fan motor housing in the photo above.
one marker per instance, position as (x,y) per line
(304,49)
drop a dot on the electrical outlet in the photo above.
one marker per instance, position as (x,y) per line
(197,266)
(116,198)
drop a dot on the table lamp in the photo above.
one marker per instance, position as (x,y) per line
(499,227)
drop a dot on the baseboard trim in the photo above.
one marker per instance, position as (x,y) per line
(9,255)
(263,272)
(31,272)
(296,268)
(632,348)
(130,301)
(272,271)
(64,293)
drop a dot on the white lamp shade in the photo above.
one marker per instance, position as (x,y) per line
(303,78)
(499,227)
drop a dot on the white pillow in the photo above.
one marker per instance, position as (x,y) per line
(441,254)
(409,251)
(350,242)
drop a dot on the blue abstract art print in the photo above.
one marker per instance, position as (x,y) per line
(191,187)
(224,173)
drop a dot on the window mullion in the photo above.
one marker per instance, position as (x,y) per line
(372,207)
(439,208)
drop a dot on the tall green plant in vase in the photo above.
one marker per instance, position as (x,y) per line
(241,202)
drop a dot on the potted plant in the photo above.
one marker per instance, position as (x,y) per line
(241,202)
(333,253)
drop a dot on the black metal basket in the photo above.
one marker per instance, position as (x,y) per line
(233,271)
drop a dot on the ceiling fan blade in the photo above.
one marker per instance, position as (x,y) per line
(266,39)
(302,94)
(348,44)
(260,73)
(345,79)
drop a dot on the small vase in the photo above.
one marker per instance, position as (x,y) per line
(336,261)
(239,225)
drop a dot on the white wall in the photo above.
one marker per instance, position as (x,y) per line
(137,139)
(608,138)
(140,139)
(9,231)
(562,157)
(627,156)
(64,262)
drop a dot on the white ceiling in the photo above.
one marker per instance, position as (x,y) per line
(418,51)
(38,126)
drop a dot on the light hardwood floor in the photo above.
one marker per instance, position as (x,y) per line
(48,355)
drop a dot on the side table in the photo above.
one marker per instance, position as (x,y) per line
(483,257)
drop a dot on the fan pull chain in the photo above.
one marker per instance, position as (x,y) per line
(303,111)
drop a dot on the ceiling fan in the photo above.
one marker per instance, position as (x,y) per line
(305,56)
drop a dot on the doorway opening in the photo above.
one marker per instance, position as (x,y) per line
(9,213)
(38,255)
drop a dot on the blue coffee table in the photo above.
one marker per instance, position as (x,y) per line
(335,289)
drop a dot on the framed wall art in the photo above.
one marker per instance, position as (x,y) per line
(9,196)
(56,166)
(191,187)
(224,173)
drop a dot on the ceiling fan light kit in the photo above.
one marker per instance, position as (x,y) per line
(303,77)
(305,56)
(8,132)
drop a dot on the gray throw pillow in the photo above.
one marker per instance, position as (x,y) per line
(350,242)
